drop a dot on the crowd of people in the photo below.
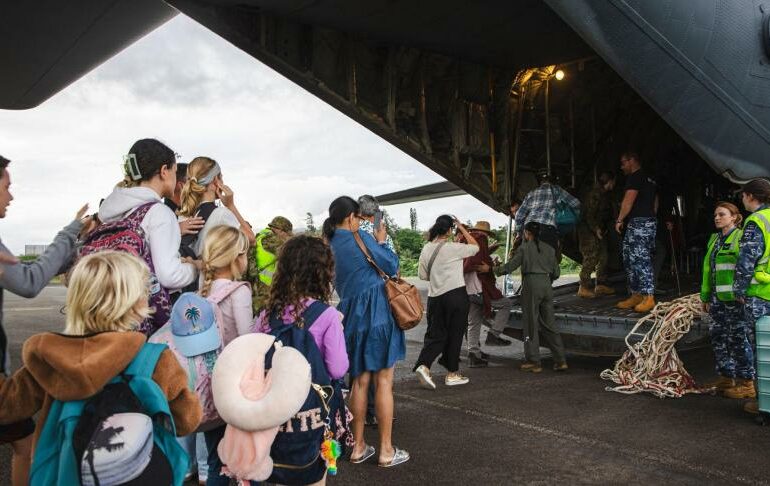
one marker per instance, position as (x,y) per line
(168,273)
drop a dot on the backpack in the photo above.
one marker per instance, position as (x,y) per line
(206,315)
(112,434)
(296,450)
(188,241)
(567,218)
(127,235)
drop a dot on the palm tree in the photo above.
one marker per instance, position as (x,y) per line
(102,439)
(192,314)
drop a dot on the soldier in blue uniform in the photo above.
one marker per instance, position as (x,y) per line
(730,332)
(637,213)
(752,276)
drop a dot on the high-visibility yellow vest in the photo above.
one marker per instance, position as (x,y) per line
(723,270)
(266,261)
(760,281)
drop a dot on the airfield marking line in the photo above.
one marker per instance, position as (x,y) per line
(31,309)
(667,461)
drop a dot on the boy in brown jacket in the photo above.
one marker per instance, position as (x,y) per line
(107,298)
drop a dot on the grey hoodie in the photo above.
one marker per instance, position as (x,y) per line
(29,279)
(161,228)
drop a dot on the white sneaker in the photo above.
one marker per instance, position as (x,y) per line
(423,374)
(454,379)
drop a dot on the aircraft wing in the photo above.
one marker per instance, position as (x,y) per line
(48,44)
(422,193)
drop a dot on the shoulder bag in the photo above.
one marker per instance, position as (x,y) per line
(403,297)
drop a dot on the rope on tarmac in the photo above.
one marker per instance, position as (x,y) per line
(652,365)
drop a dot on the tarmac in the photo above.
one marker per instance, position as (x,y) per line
(510,427)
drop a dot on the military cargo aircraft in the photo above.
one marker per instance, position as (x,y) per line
(485,93)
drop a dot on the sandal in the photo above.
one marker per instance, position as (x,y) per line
(368,453)
(400,456)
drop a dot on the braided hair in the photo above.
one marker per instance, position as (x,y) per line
(221,249)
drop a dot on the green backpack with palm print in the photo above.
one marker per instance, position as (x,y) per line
(124,434)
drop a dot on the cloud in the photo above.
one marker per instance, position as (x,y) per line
(283,151)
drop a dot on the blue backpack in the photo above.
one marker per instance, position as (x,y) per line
(129,419)
(296,451)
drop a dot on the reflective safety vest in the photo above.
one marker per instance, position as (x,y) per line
(265,260)
(760,281)
(719,278)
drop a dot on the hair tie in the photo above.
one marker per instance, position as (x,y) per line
(131,167)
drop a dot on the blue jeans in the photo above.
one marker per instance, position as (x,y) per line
(213,437)
(195,446)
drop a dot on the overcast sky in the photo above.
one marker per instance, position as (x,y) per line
(282,150)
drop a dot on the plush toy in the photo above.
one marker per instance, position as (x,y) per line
(330,451)
(254,403)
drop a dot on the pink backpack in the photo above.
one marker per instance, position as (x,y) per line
(199,366)
(127,235)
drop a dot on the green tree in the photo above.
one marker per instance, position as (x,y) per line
(311,228)
(409,244)
(413,219)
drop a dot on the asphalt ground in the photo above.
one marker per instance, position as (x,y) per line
(511,427)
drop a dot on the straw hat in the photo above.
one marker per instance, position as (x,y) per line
(482,226)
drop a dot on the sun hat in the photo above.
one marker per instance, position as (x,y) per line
(193,325)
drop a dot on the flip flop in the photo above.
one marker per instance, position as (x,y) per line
(399,457)
(368,453)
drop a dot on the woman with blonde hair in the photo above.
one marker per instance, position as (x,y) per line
(203,188)
(224,263)
(106,300)
(730,332)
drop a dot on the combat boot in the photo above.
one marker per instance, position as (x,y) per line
(646,305)
(630,302)
(752,406)
(603,290)
(720,384)
(742,389)
(585,293)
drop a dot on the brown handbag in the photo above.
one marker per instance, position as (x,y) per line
(403,297)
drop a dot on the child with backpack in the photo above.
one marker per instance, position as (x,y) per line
(135,220)
(298,309)
(203,323)
(110,403)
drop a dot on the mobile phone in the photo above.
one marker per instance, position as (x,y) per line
(377,219)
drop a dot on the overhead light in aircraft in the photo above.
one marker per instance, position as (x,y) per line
(559,75)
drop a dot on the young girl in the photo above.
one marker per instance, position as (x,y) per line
(205,185)
(538,269)
(224,262)
(106,300)
(150,174)
(304,275)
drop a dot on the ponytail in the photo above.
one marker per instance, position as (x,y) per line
(339,209)
(440,227)
(197,182)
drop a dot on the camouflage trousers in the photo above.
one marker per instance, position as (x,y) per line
(594,252)
(732,338)
(638,245)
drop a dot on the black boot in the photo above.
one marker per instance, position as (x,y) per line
(493,340)
(476,361)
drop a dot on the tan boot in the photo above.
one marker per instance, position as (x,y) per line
(646,305)
(603,290)
(720,384)
(742,389)
(629,302)
(752,406)
(585,293)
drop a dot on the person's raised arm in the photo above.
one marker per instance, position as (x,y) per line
(28,279)
(468,237)
(228,200)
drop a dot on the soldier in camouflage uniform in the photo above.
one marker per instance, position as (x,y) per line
(262,259)
(730,332)
(751,285)
(593,245)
